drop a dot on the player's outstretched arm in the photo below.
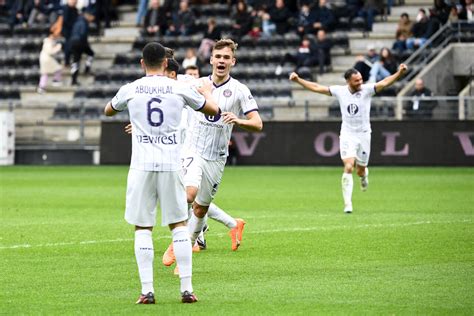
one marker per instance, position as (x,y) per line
(252,123)
(211,107)
(109,110)
(312,86)
(379,86)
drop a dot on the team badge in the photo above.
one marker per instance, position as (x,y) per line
(352,109)
(227,93)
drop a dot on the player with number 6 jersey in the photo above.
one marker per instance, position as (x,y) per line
(155,104)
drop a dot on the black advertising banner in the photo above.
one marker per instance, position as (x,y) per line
(444,143)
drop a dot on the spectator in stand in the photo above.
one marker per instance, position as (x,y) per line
(322,50)
(20,10)
(242,20)
(354,7)
(364,63)
(304,57)
(44,10)
(304,20)
(183,20)
(155,19)
(212,34)
(103,11)
(80,44)
(442,10)
(403,32)
(466,12)
(370,9)
(70,15)
(48,63)
(268,27)
(384,67)
(190,58)
(322,17)
(142,9)
(279,15)
(420,31)
(419,108)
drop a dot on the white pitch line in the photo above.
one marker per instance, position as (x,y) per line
(272,231)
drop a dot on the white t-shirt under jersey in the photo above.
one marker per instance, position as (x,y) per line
(209,136)
(355,107)
(155,104)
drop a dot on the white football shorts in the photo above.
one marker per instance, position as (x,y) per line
(203,174)
(145,189)
(355,145)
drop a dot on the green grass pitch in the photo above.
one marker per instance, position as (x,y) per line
(406,249)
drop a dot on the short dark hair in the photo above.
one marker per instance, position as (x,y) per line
(348,74)
(153,54)
(172,65)
(169,52)
(192,67)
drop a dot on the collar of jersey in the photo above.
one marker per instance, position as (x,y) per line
(217,86)
(155,76)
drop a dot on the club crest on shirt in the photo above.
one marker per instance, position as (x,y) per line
(227,93)
(352,109)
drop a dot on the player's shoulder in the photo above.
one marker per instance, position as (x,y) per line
(334,89)
(369,87)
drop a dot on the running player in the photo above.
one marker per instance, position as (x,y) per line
(354,102)
(155,105)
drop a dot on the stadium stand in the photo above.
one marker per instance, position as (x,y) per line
(118,54)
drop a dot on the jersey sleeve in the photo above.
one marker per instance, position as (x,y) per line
(192,97)
(334,90)
(370,89)
(247,101)
(120,100)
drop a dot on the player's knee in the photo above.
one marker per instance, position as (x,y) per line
(348,167)
(200,211)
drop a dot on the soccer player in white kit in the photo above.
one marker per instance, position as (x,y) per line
(155,103)
(354,102)
(208,139)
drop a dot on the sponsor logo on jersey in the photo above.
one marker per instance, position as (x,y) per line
(157,139)
(227,93)
(250,97)
(352,109)
(212,118)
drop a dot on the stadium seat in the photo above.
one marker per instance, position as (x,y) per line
(61,111)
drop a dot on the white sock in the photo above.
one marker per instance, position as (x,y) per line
(145,254)
(347,185)
(184,260)
(190,210)
(219,215)
(195,226)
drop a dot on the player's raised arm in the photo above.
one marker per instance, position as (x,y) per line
(210,107)
(312,86)
(391,79)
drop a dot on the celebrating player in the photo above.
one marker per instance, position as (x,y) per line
(354,101)
(207,144)
(155,105)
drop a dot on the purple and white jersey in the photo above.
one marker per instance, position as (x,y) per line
(155,104)
(209,136)
(355,107)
